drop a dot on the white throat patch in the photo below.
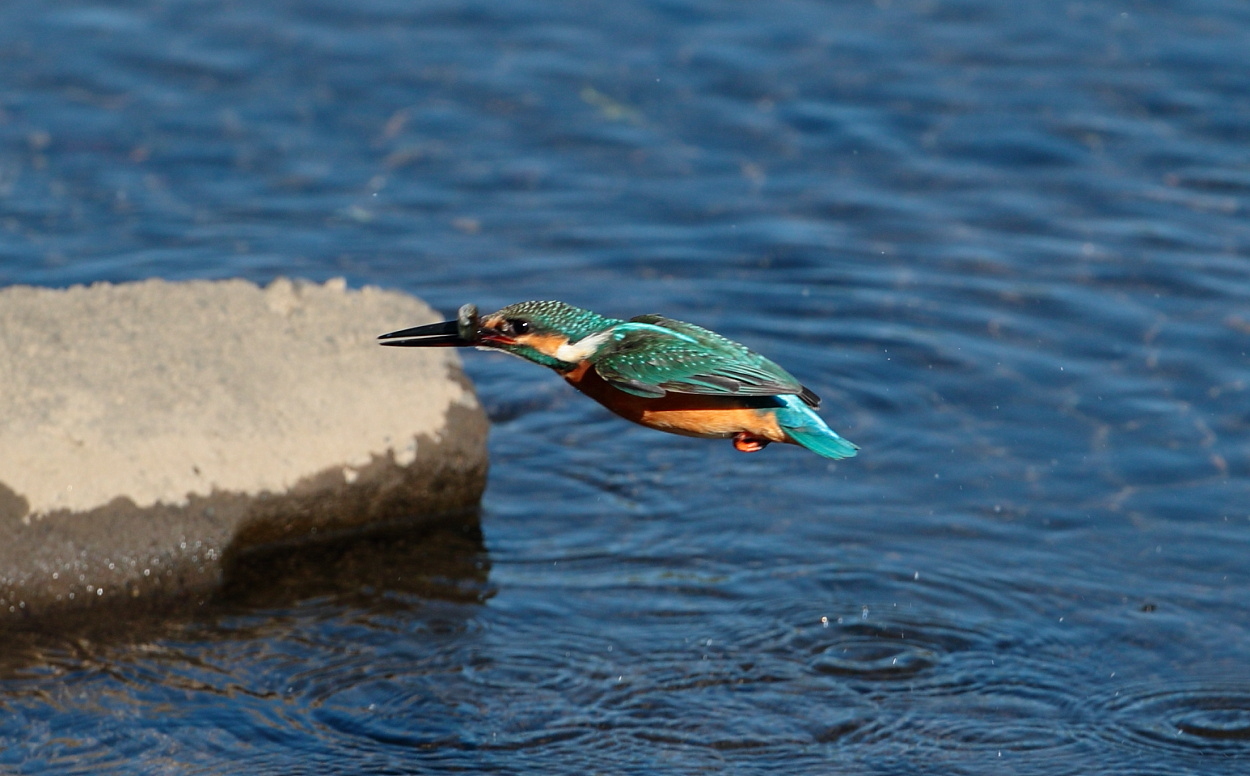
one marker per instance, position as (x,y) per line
(577,352)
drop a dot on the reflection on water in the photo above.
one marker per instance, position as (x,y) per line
(391,569)
(1005,242)
(293,632)
(444,561)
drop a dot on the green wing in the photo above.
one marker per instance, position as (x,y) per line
(651,355)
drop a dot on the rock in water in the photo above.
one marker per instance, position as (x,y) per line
(152,429)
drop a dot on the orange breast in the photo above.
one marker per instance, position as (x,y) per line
(681,413)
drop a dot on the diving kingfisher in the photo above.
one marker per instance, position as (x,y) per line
(664,374)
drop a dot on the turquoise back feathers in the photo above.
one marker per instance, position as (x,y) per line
(677,356)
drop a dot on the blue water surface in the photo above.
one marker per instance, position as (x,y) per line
(1006,241)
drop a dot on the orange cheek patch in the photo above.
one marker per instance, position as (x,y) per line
(547,344)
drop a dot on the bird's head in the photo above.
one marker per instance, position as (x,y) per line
(553,334)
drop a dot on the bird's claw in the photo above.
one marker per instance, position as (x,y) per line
(749,443)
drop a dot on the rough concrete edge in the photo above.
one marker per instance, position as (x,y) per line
(189,555)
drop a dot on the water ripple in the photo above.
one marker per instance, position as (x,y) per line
(1184,717)
(872,652)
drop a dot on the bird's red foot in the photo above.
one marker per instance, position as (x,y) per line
(749,443)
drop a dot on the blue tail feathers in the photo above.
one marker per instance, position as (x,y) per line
(809,430)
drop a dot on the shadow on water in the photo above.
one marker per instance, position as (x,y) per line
(445,561)
(396,567)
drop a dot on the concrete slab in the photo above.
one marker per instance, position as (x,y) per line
(150,431)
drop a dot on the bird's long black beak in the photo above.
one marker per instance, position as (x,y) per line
(435,335)
(462,332)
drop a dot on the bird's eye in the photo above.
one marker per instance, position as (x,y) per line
(513,326)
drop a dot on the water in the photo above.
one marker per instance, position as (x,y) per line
(1006,242)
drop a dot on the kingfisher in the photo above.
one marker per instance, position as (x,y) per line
(658,372)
